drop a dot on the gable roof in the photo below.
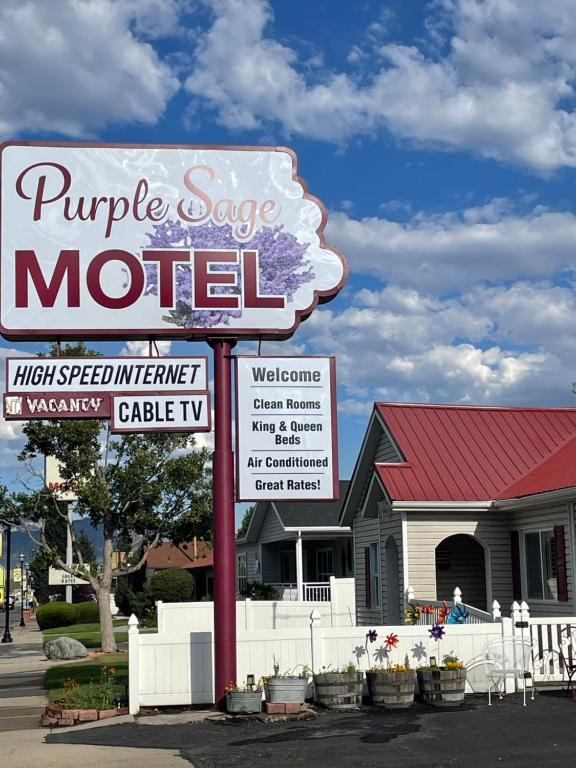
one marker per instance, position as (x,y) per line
(312,514)
(298,514)
(189,554)
(477,453)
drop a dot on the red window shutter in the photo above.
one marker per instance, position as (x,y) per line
(367,576)
(515,555)
(561,576)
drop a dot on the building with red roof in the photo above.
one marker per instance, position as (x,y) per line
(193,556)
(478,497)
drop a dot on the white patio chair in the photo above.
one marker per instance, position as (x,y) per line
(509,657)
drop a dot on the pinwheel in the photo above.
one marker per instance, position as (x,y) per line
(392,641)
(458,615)
(372,635)
(436,632)
(412,614)
(427,609)
(443,612)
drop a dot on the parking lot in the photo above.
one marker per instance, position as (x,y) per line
(541,734)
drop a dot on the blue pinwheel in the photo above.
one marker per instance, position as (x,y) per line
(458,615)
(436,632)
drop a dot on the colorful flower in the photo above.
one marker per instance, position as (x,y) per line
(412,614)
(443,612)
(392,641)
(458,615)
(436,631)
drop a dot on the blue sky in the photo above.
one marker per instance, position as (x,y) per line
(440,135)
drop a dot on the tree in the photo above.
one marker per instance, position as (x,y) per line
(154,485)
(245,522)
(40,562)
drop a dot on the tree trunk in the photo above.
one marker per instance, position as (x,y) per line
(106,625)
(103,595)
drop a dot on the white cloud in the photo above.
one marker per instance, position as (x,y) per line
(74,66)
(450,251)
(142,349)
(498,80)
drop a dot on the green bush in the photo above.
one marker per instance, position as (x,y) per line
(87,612)
(257,591)
(131,600)
(172,586)
(55,615)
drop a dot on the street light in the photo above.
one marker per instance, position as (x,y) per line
(22,558)
(7,637)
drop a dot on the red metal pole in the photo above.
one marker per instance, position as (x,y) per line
(224,526)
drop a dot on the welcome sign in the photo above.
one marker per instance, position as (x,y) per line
(102,241)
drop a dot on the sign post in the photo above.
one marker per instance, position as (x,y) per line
(224,525)
(124,242)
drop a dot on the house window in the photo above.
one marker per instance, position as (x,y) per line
(324,564)
(241,572)
(374,576)
(540,559)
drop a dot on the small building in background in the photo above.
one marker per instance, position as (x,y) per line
(193,556)
(294,547)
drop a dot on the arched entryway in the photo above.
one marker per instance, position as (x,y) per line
(461,562)
(392,581)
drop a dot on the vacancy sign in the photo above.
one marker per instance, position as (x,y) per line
(286,428)
(139,241)
(82,387)
(174,412)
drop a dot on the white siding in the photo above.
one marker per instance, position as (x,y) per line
(425,530)
(545,518)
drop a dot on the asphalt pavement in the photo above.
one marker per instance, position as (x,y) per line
(541,734)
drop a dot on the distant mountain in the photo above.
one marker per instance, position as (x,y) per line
(22,544)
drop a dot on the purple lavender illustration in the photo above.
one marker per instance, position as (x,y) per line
(283,268)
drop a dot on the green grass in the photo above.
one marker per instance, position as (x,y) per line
(84,672)
(88,634)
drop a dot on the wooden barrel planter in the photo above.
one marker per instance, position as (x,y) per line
(243,702)
(442,687)
(394,690)
(286,690)
(338,690)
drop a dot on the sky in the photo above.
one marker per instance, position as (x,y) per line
(441,137)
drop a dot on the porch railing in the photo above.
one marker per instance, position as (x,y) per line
(432,611)
(312,591)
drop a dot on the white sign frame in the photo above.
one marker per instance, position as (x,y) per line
(88,228)
(163,400)
(305,436)
(127,374)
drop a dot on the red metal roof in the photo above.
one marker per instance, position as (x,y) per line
(477,453)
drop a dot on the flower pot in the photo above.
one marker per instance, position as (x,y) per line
(243,702)
(394,690)
(286,690)
(338,690)
(442,687)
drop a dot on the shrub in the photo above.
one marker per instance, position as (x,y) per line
(172,586)
(87,612)
(257,591)
(137,601)
(55,615)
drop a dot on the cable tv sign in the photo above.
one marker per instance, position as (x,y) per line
(187,242)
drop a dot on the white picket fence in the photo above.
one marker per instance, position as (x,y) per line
(340,610)
(177,668)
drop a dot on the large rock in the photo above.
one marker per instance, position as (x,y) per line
(64,648)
